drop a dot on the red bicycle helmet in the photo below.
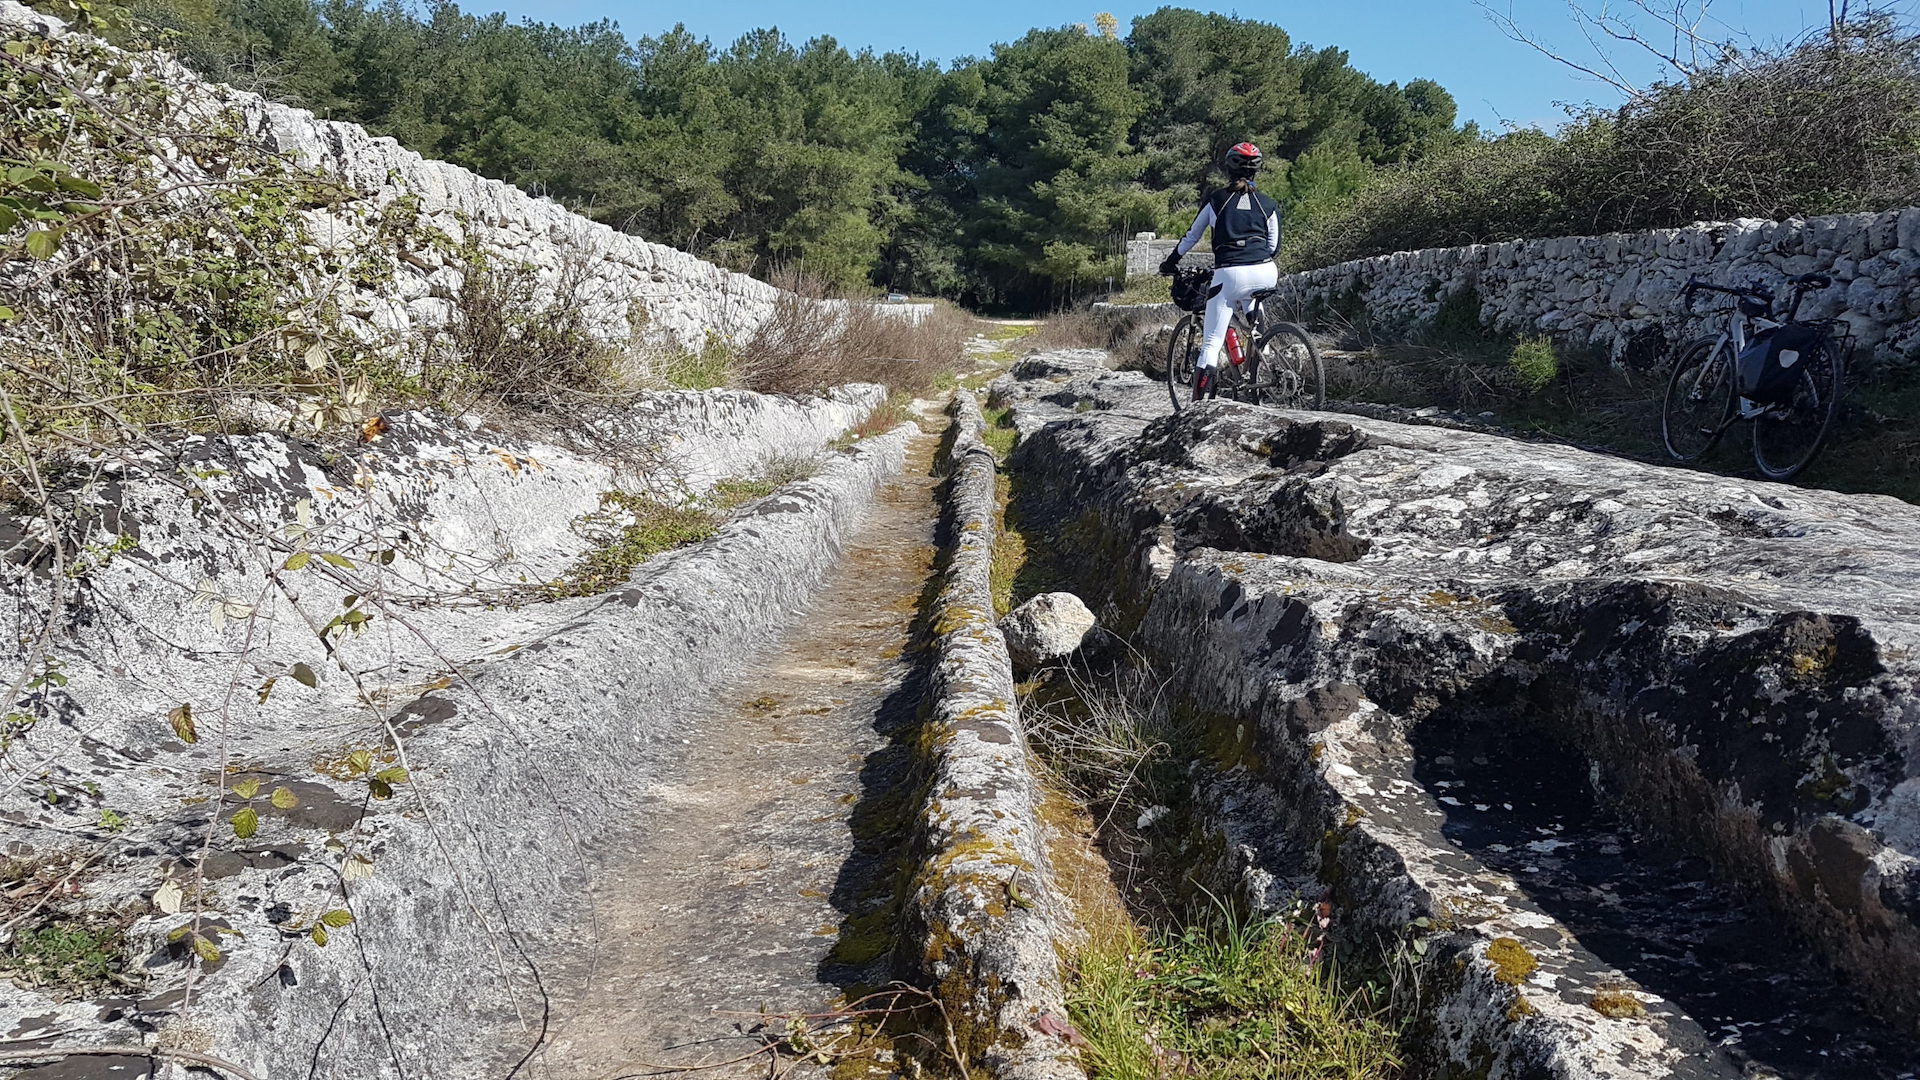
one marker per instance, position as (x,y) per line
(1243,159)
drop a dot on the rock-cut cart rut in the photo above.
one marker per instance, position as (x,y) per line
(755,878)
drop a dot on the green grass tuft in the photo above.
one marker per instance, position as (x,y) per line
(708,369)
(1233,998)
(653,526)
(1005,332)
(1534,362)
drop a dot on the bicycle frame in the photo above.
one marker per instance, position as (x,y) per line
(1733,340)
(1708,372)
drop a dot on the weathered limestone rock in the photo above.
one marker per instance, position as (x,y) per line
(982,904)
(524,724)
(1650,726)
(623,285)
(1047,629)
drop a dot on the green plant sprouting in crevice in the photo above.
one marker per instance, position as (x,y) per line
(70,957)
(1230,995)
(1191,983)
(642,526)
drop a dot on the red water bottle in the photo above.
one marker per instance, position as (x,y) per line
(1233,346)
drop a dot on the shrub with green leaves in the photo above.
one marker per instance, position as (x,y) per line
(1827,125)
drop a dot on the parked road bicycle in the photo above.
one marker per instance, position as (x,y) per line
(1278,363)
(1782,374)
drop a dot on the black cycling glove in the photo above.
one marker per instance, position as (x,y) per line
(1169,264)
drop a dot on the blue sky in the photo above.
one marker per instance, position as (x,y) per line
(1450,41)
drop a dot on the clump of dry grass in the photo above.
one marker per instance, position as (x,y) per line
(1075,329)
(809,345)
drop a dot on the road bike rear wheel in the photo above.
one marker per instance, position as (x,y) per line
(1290,374)
(1183,350)
(1788,435)
(1699,399)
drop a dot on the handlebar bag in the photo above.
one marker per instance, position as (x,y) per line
(1771,364)
(1190,291)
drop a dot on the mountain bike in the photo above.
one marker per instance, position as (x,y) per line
(1281,366)
(1706,395)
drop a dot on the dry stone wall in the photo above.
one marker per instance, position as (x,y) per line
(1618,291)
(623,284)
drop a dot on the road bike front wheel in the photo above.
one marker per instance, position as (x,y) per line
(1788,435)
(1699,399)
(1290,374)
(1183,350)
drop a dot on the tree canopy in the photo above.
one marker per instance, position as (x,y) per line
(1009,180)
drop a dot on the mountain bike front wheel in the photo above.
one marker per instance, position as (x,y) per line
(1699,399)
(1183,351)
(1290,374)
(1788,435)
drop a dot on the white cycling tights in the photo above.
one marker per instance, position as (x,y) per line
(1231,287)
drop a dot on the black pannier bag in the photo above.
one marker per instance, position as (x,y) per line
(1771,364)
(1190,290)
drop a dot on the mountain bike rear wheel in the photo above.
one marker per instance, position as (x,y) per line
(1699,399)
(1787,436)
(1290,374)
(1183,350)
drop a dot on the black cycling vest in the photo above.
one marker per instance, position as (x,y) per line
(1240,227)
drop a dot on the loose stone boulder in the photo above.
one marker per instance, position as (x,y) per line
(1047,629)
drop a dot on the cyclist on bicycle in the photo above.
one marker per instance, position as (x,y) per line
(1246,237)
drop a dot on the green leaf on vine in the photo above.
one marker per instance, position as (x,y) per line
(246,822)
(42,243)
(337,918)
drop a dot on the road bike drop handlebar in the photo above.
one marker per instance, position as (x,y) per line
(1801,285)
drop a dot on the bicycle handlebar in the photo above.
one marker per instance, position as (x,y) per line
(1801,285)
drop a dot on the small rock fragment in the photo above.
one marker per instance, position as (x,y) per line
(1047,629)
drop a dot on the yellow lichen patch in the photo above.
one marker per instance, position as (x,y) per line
(1807,665)
(1496,623)
(1354,815)
(1616,1004)
(1520,1009)
(1512,963)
